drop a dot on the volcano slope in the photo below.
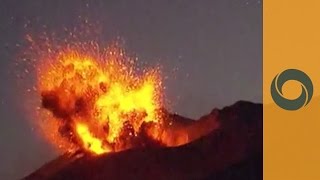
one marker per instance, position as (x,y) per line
(230,151)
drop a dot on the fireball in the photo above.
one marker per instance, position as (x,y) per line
(99,101)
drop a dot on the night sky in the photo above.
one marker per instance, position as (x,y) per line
(216,45)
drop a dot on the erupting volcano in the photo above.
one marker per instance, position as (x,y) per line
(96,101)
(100,103)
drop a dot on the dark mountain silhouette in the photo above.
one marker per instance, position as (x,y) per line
(227,145)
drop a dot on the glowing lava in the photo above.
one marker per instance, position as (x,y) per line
(100,102)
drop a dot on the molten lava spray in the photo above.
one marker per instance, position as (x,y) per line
(99,102)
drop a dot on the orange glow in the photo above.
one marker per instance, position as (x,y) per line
(99,100)
(90,142)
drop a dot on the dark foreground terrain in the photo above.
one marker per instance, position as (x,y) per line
(230,151)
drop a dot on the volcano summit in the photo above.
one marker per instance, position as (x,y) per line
(225,145)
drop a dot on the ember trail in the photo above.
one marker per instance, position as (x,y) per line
(100,103)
